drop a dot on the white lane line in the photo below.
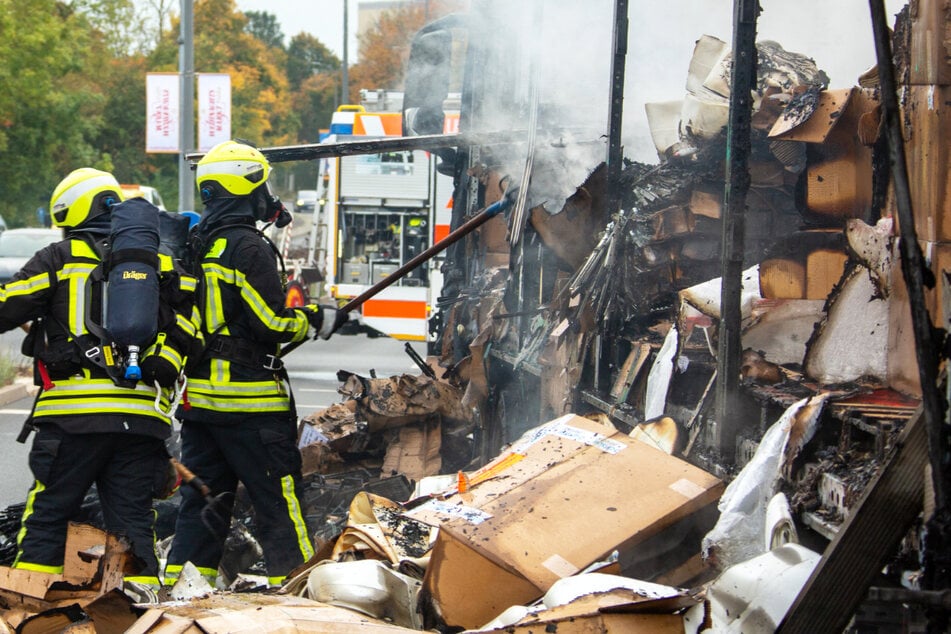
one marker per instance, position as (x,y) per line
(15,411)
(315,389)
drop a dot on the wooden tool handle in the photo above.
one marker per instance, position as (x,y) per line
(190,478)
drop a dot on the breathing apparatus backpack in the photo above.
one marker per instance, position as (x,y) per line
(139,327)
(131,281)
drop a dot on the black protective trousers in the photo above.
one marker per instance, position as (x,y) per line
(261,452)
(128,470)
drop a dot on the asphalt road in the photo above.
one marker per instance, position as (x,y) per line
(312,368)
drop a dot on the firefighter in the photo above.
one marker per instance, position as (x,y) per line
(89,429)
(241,424)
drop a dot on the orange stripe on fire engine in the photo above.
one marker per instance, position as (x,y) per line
(394,308)
(440,232)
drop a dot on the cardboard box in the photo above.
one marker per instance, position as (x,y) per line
(833,188)
(927,118)
(938,258)
(930,54)
(706,202)
(789,278)
(781,278)
(824,268)
(839,181)
(566,495)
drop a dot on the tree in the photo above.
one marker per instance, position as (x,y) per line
(315,101)
(261,109)
(51,105)
(265,27)
(121,23)
(384,49)
(306,56)
(162,10)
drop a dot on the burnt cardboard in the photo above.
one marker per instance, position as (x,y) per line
(930,54)
(79,571)
(927,132)
(839,179)
(566,495)
(824,268)
(782,278)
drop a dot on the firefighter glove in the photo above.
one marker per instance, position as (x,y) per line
(332,320)
(324,319)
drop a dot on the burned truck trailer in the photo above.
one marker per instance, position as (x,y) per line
(601,290)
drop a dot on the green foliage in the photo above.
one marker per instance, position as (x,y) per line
(306,56)
(265,27)
(49,109)
(73,77)
(122,24)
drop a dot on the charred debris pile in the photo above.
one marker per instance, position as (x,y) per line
(557,466)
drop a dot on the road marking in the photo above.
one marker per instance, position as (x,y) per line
(15,411)
(315,389)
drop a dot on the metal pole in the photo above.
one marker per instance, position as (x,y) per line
(345,80)
(616,109)
(186,68)
(745,13)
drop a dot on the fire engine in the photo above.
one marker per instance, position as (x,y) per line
(374,213)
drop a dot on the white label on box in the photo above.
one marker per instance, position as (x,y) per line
(687,488)
(453,511)
(560,566)
(563,430)
(309,434)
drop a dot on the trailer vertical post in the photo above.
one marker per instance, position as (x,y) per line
(745,13)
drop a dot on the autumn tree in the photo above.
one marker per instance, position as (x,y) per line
(260,98)
(384,49)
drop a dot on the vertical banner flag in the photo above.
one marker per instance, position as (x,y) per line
(214,110)
(162,112)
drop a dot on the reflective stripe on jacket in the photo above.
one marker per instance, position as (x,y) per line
(53,285)
(242,298)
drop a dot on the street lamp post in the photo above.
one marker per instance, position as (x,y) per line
(345,80)
(186,74)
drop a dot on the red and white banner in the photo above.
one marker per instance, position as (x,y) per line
(214,110)
(162,112)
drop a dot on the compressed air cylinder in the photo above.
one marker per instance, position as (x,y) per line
(132,289)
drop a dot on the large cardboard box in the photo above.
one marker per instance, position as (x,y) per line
(567,494)
(927,118)
(839,177)
(930,55)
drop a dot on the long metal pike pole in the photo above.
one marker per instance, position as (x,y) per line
(468,227)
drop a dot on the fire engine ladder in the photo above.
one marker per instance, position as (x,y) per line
(318,235)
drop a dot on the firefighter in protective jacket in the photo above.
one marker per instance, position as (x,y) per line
(89,427)
(241,424)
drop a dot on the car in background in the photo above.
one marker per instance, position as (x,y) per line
(18,245)
(306,201)
(149,193)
